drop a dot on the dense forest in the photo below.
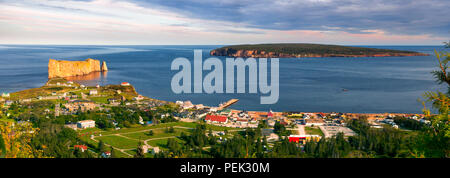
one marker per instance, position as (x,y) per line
(304,48)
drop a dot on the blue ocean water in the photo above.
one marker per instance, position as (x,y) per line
(374,84)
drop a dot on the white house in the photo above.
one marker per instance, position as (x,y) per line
(93,92)
(86,124)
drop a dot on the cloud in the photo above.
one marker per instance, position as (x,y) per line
(392,16)
(223,21)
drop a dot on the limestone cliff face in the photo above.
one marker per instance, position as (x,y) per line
(104,67)
(72,68)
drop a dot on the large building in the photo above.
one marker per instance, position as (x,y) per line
(86,124)
(303,138)
(78,105)
(216,119)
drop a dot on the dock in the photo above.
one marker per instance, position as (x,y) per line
(227,104)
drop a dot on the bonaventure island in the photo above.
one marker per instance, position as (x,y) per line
(66,119)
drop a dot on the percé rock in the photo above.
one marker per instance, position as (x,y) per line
(61,68)
(104,67)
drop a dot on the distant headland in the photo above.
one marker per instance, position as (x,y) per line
(296,50)
(60,68)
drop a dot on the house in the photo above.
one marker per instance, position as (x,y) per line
(93,92)
(86,124)
(314,122)
(216,119)
(138,98)
(145,148)
(114,101)
(8,102)
(141,120)
(81,147)
(5,94)
(187,105)
(155,150)
(125,84)
(424,121)
(80,105)
(106,154)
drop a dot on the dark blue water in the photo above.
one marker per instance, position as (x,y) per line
(374,84)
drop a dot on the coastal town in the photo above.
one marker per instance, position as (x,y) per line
(66,98)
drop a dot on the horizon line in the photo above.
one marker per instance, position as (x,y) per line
(225,44)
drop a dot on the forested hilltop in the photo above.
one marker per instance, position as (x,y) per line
(288,50)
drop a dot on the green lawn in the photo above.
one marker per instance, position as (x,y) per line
(157,133)
(162,143)
(119,142)
(103,100)
(313,131)
(142,133)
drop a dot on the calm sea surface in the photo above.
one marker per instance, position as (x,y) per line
(374,84)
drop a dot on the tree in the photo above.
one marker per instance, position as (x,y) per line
(17,139)
(150,133)
(113,152)
(140,153)
(2,147)
(101,147)
(279,128)
(435,138)
(442,75)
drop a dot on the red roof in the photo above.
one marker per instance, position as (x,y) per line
(269,114)
(216,118)
(295,139)
(84,147)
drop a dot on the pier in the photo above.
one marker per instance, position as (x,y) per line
(227,104)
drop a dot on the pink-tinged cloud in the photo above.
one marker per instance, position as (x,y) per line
(115,22)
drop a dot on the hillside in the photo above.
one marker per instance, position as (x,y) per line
(291,50)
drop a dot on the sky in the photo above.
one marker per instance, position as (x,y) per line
(219,22)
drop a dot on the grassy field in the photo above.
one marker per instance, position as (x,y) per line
(103,100)
(127,138)
(313,131)
(119,142)
(162,142)
(157,133)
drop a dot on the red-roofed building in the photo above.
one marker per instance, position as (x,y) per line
(125,84)
(216,119)
(270,114)
(81,147)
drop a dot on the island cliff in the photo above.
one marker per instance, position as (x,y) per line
(306,50)
(73,68)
